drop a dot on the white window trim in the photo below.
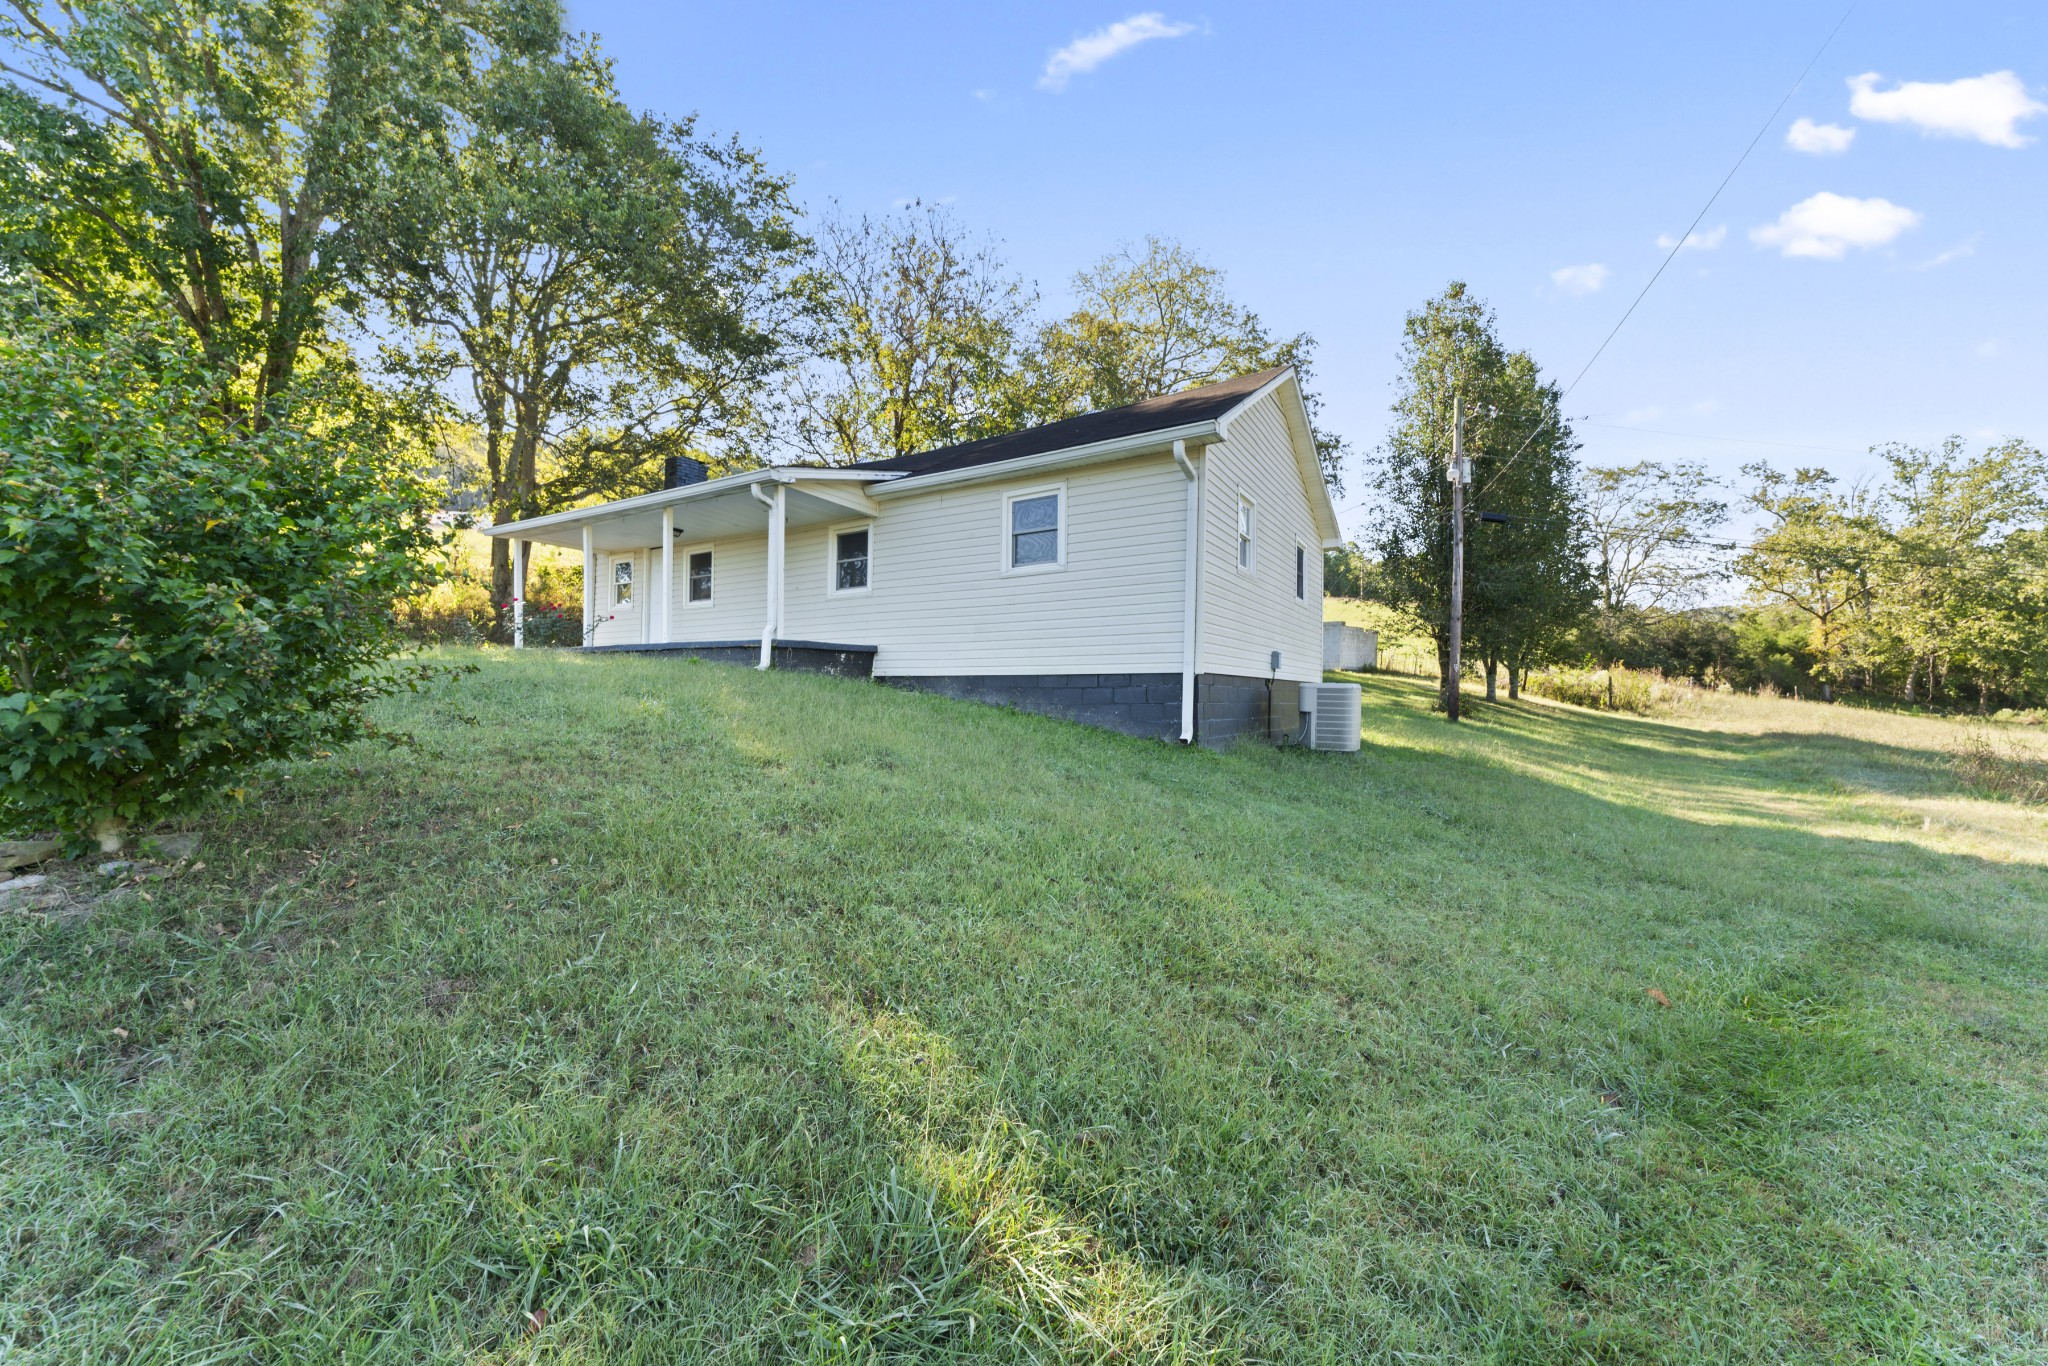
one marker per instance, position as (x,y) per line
(1059,561)
(832,588)
(1306,563)
(632,559)
(683,554)
(1244,535)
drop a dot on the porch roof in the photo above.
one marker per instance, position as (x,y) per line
(708,511)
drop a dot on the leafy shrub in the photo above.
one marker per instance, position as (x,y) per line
(179,598)
(1601,689)
(455,611)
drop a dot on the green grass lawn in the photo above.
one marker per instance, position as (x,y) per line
(660,1012)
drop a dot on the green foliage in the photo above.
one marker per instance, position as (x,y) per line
(926,338)
(1931,586)
(204,160)
(1774,652)
(181,599)
(1347,573)
(1611,689)
(1154,323)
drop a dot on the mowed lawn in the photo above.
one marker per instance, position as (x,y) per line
(664,1012)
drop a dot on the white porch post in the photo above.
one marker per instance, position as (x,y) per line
(776,511)
(589,584)
(518,594)
(668,576)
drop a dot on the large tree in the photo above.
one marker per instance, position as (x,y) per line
(1816,554)
(206,157)
(1649,525)
(1958,564)
(1528,582)
(1152,322)
(918,328)
(600,289)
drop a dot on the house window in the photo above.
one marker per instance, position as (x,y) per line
(1244,533)
(699,587)
(1301,572)
(850,560)
(622,583)
(1034,539)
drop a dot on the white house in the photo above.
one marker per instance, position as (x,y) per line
(1156,569)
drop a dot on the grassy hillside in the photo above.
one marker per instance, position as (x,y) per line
(663,1012)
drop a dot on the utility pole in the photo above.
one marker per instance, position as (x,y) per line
(1458,478)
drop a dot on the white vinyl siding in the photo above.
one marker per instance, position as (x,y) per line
(737,607)
(941,603)
(1246,614)
(626,624)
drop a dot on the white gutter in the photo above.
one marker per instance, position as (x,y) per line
(1190,612)
(776,508)
(1050,460)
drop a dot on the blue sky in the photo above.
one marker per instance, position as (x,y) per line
(1341,162)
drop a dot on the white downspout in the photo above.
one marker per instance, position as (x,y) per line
(1190,611)
(518,594)
(589,584)
(775,506)
(668,576)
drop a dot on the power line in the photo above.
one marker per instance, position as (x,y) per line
(1680,244)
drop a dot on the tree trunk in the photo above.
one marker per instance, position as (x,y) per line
(1443,675)
(1515,672)
(1492,668)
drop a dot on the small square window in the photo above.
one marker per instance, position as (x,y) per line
(850,561)
(699,587)
(622,583)
(1035,531)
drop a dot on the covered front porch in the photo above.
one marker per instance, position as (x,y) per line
(700,569)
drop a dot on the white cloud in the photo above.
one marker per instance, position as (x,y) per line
(1695,241)
(1987,108)
(1092,50)
(1819,139)
(1825,226)
(1580,279)
(1989,348)
(984,95)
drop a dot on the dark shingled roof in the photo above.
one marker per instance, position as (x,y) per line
(1163,413)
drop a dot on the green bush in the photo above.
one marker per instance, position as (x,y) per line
(180,598)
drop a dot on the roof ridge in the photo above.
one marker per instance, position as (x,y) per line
(1129,419)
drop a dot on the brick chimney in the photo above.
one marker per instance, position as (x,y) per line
(680,471)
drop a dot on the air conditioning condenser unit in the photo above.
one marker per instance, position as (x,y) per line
(1332,712)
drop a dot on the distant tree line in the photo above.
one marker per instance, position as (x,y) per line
(1929,585)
